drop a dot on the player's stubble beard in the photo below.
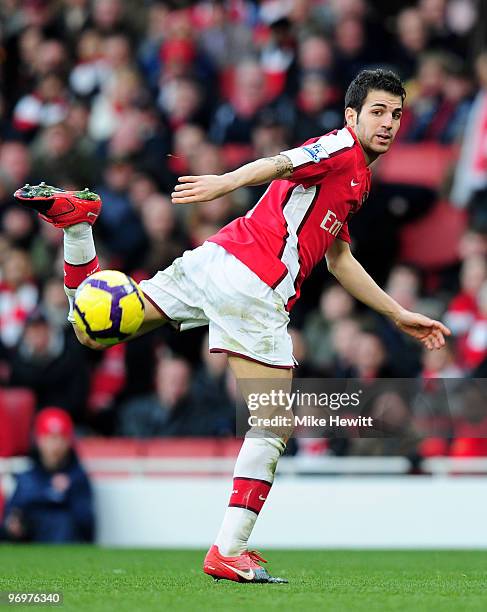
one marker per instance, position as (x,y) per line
(371,152)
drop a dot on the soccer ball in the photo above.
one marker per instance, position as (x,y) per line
(108,306)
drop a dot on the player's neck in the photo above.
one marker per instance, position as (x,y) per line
(370,156)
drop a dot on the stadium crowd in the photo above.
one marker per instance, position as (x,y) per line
(124,96)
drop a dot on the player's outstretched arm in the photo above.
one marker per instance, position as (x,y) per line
(195,189)
(352,276)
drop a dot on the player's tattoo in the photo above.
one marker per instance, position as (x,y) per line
(283,164)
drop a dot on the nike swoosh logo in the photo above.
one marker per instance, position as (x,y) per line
(262,498)
(91,214)
(245,574)
(353,183)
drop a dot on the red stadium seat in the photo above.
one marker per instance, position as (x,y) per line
(229,447)
(425,164)
(181,447)
(274,84)
(16,413)
(433,447)
(173,451)
(227,80)
(235,155)
(100,455)
(469,447)
(107,448)
(432,241)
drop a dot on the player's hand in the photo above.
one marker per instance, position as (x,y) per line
(429,332)
(194,189)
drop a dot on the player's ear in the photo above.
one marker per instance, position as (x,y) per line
(350,117)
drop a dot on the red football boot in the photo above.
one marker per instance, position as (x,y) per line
(244,568)
(59,207)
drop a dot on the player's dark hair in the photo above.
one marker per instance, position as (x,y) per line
(368,80)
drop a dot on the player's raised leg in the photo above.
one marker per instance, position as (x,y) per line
(75,212)
(229,558)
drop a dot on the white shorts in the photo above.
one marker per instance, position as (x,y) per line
(209,286)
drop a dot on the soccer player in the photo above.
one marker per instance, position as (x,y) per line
(244,280)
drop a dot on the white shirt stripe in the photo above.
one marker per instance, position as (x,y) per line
(294,212)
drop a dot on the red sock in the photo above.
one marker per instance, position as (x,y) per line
(75,274)
(249,493)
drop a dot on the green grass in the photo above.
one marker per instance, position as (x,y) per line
(119,580)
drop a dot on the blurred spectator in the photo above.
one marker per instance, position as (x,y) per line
(411,41)
(441,105)
(77,122)
(54,303)
(159,222)
(186,143)
(19,227)
(110,106)
(181,101)
(223,39)
(109,16)
(157,18)
(142,187)
(449,126)
(52,501)
(470,427)
(143,137)
(172,410)
(317,111)
(471,170)
(235,120)
(463,310)
(425,98)
(352,49)
(51,58)
(394,433)
(315,56)
(45,106)
(278,58)
(335,305)
(435,17)
(304,367)
(208,218)
(180,54)
(18,295)
(476,339)
(15,161)
(108,377)
(74,17)
(58,156)
(120,226)
(210,387)
(472,242)
(370,358)
(441,364)
(270,136)
(91,71)
(344,335)
(54,368)
(403,285)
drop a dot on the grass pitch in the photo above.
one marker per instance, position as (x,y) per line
(96,579)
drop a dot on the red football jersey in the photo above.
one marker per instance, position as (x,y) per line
(293,224)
